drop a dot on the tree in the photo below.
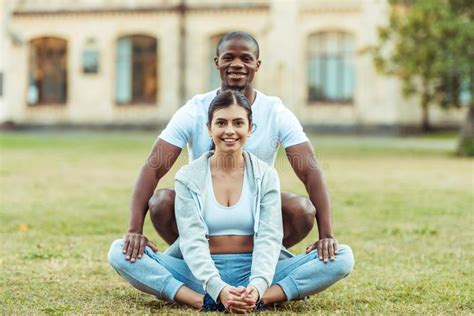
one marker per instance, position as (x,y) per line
(429,45)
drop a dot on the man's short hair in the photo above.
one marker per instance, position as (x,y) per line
(240,35)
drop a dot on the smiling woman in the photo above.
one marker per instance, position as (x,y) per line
(225,260)
(229,119)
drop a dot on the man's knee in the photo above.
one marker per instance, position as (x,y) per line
(300,212)
(308,212)
(161,207)
(161,204)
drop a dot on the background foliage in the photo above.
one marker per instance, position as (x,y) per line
(429,45)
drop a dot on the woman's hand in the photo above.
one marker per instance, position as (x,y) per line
(327,248)
(134,245)
(235,300)
(248,298)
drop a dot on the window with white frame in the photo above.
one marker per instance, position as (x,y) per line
(331,74)
(47,71)
(136,70)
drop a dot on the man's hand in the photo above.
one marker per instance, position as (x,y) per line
(327,248)
(134,245)
(236,300)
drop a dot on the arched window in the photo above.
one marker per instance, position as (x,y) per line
(136,70)
(214,79)
(331,72)
(47,79)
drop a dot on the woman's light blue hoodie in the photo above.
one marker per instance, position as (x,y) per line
(190,186)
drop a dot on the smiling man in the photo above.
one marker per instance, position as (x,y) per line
(237,60)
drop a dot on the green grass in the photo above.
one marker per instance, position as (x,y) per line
(404,205)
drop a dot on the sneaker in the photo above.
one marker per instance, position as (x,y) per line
(260,306)
(209,305)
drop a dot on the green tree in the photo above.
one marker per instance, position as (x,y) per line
(429,45)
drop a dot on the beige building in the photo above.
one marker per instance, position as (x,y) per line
(68,62)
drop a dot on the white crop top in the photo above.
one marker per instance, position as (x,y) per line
(237,219)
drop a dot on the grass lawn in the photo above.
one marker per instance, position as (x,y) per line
(404,205)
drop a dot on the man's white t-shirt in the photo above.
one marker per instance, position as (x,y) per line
(275,125)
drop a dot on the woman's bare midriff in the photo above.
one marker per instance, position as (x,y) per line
(230,244)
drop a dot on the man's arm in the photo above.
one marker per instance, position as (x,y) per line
(161,158)
(304,163)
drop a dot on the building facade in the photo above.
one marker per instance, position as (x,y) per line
(113,62)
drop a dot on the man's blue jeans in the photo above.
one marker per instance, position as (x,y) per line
(162,275)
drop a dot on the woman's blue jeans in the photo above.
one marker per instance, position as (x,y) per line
(162,275)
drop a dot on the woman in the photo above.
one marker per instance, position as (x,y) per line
(228,213)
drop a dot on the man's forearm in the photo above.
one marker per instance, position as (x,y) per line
(142,192)
(304,163)
(319,196)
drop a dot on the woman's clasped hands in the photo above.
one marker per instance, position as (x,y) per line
(239,300)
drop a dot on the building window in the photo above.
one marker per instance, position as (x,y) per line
(47,82)
(90,61)
(136,70)
(331,67)
(214,79)
(90,57)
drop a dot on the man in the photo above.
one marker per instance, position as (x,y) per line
(237,61)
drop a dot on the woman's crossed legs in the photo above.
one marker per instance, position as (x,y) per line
(164,276)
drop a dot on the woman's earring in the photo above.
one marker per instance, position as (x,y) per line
(254,127)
